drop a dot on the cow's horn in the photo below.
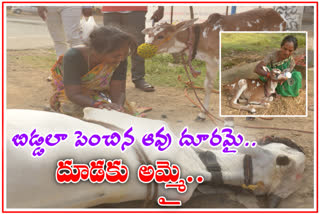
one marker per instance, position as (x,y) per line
(282,160)
(273,201)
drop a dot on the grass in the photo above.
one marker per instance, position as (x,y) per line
(162,71)
(255,42)
(252,47)
(43,60)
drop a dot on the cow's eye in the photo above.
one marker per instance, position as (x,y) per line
(160,37)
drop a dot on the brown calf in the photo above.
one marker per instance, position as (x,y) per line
(254,93)
(204,39)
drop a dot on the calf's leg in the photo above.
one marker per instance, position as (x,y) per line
(212,68)
(242,84)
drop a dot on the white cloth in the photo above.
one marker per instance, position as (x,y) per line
(64,27)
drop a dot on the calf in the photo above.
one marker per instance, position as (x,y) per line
(274,168)
(254,93)
(204,42)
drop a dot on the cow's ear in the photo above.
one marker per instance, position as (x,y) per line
(185,24)
(146,30)
(282,160)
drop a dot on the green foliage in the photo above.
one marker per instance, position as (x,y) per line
(257,42)
(43,61)
(249,47)
(162,71)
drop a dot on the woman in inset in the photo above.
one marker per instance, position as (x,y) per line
(283,60)
(87,76)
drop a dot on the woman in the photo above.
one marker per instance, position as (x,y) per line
(87,76)
(283,60)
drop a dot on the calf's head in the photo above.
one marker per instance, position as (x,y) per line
(164,36)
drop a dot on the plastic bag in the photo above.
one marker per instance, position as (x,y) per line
(87,26)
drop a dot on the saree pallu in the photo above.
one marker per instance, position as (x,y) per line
(291,87)
(95,84)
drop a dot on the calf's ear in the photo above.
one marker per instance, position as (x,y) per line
(185,24)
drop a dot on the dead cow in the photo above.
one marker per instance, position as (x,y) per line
(273,168)
(201,41)
(253,92)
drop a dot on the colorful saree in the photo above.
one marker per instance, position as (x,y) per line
(291,87)
(95,83)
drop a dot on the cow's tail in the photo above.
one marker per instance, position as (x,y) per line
(226,87)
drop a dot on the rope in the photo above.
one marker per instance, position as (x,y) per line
(211,116)
(193,102)
(274,128)
(191,85)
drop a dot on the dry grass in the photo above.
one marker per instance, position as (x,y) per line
(280,106)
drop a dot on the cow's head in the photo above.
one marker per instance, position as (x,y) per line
(274,169)
(278,75)
(164,36)
(287,162)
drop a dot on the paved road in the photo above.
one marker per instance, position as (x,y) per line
(30,32)
(27,33)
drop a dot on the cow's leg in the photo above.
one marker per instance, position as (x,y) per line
(229,122)
(261,105)
(243,101)
(242,84)
(257,102)
(212,68)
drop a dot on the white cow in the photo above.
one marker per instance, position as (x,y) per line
(275,168)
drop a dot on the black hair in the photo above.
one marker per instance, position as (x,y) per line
(292,39)
(107,39)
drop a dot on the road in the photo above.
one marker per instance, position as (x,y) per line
(26,32)
(30,32)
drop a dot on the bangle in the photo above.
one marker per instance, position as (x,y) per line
(97,104)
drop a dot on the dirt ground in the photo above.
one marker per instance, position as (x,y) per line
(27,88)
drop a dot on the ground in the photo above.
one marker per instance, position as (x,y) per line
(27,88)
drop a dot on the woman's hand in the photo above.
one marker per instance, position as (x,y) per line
(109,106)
(158,14)
(87,11)
(260,70)
(117,91)
(42,11)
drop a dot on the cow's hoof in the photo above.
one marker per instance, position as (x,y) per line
(250,118)
(243,101)
(253,110)
(267,105)
(273,201)
(199,119)
(49,78)
(48,108)
(228,123)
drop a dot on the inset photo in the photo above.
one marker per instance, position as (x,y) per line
(263,74)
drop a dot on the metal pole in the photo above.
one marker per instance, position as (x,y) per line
(171,17)
(191,12)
